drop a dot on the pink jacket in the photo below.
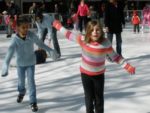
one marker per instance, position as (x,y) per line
(83,10)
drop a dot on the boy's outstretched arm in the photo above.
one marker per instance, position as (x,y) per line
(7,60)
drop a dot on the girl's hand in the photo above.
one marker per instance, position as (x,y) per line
(130,68)
(57,24)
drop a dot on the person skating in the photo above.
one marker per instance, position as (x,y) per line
(44,26)
(95,48)
(23,45)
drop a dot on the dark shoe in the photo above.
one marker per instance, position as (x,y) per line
(20,98)
(34,107)
(8,36)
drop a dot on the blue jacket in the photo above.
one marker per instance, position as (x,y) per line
(24,49)
(46,23)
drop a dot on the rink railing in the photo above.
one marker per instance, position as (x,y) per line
(127,13)
(31,20)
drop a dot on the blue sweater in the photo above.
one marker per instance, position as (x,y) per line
(24,49)
(46,23)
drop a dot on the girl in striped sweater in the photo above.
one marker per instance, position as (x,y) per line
(95,48)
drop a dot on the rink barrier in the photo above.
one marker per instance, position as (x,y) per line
(31,20)
(62,18)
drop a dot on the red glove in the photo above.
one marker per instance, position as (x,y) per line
(130,68)
(57,24)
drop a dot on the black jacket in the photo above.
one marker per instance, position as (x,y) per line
(13,10)
(114,17)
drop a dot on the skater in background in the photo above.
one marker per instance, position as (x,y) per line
(82,13)
(32,11)
(114,20)
(146,17)
(10,21)
(92,14)
(95,48)
(102,13)
(23,45)
(13,10)
(44,26)
(75,20)
(136,22)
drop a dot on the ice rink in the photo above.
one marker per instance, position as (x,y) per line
(59,87)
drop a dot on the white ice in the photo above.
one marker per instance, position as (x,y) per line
(59,86)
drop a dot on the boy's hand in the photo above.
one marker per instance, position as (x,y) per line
(130,68)
(57,24)
(4,70)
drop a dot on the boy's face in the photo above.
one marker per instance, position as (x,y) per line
(23,29)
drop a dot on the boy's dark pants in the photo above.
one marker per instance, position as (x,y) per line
(94,92)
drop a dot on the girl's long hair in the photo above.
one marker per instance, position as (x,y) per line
(89,29)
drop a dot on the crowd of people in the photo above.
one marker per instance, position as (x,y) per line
(95,37)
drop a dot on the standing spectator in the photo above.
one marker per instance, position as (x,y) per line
(62,11)
(114,19)
(75,20)
(32,11)
(102,13)
(33,8)
(44,26)
(135,21)
(56,10)
(92,13)
(82,13)
(146,16)
(43,7)
(71,7)
(12,11)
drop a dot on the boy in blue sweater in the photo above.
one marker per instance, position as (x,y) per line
(23,45)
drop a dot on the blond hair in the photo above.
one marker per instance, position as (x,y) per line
(89,29)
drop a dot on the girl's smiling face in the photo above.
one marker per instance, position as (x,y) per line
(96,33)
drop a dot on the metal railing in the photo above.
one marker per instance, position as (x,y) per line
(127,13)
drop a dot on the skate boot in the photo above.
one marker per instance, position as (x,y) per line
(34,107)
(20,98)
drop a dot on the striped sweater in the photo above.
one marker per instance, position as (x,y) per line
(93,54)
